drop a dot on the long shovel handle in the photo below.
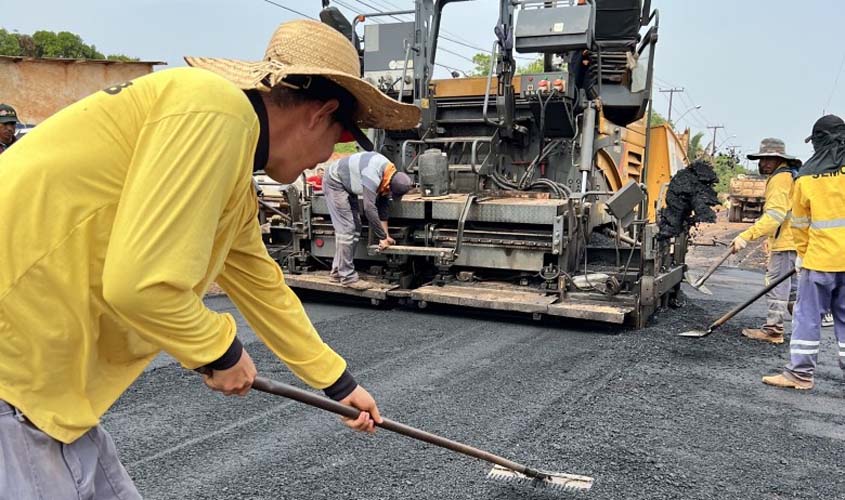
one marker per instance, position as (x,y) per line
(288,391)
(736,310)
(712,269)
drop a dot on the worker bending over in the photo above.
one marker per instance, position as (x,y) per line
(818,225)
(376,180)
(774,225)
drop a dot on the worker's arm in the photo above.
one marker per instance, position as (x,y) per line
(801,218)
(371,211)
(775,209)
(255,284)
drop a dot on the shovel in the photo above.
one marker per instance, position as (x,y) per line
(699,283)
(504,469)
(736,310)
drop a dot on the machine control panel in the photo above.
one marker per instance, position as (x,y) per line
(543,84)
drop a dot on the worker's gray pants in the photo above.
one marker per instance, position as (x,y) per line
(781,296)
(343,209)
(819,291)
(34,466)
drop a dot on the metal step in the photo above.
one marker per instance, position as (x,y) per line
(320,281)
(525,301)
(412,250)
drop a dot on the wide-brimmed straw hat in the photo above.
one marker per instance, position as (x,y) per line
(311,48)
(772,147)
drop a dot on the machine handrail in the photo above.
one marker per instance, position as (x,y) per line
(493,54)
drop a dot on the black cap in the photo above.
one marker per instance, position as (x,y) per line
(8,114)
(826,122)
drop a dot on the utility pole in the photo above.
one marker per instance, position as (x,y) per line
(671,95)
(715,129)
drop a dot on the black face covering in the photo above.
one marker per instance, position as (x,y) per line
(829,146)
(262,150)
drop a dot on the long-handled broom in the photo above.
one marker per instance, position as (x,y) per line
(503,469)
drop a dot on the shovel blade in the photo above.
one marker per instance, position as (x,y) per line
(695,284)
(695,333)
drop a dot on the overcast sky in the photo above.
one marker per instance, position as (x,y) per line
(758,67)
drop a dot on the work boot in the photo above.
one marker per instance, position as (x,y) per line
(788,382)
(763,334)
(827,320)
(359,285)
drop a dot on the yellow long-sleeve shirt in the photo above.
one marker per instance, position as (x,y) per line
(116,213)
(775,221)
(818,220)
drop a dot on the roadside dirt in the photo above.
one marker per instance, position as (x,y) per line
(711,240)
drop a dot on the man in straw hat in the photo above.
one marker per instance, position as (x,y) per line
(774,224)
(119,211)
(818,226)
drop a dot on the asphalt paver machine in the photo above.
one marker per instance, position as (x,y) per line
(537,191)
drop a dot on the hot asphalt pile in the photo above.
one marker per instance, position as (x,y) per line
(688,200)
(648,414)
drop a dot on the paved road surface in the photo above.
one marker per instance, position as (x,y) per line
(648,414)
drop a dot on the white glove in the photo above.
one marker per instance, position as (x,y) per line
(799,263)
(739,243)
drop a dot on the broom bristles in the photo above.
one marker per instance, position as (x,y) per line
(551,480)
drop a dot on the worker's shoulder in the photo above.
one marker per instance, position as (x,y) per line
(195,90)
(783,177)
(370,159)
(833,175)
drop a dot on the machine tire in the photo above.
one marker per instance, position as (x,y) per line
(735,213)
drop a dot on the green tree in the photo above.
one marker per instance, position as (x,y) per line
(121,58)
(536,66)
(43,43)
(657,118)
(27,45)
(9,45)
(726,167)
(482,64)
(695,149)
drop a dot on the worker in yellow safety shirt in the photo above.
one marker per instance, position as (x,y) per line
(818,226)
(780,169)
(121,209)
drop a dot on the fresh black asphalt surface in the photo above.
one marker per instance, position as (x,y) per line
(648,414)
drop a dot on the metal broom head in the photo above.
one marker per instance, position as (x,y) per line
(545,479)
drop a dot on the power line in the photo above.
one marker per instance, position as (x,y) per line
(354,11)
(375,9)
(474,47)
(289,9)
(444,49)
(450,68)
(451,37)
(835,84)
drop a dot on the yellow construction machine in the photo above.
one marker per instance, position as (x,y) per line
(537,192)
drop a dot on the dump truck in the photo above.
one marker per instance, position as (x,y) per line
(746,198)
(537,192)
